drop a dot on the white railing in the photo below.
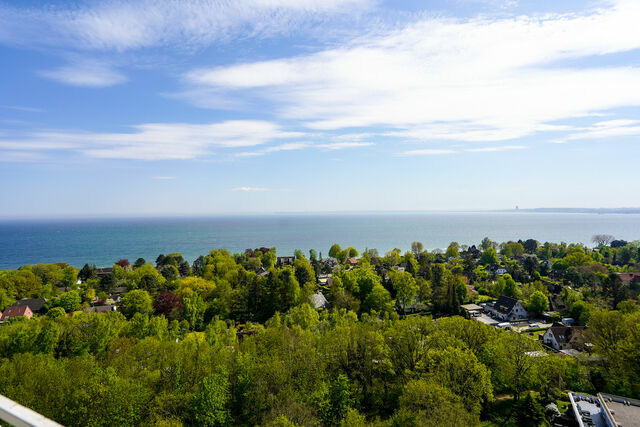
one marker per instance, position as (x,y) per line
(20,416)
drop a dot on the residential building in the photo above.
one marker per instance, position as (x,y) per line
(36,305)
(561,337)
(506,308)
(281,261)
(16,311)
(604,410)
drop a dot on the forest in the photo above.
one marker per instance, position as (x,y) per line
(238,339)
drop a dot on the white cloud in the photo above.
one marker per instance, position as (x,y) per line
(492,149)
(156,141)
(121,25)
(475,80)
(86,73)
(605,129)
(250,189)
(343,145)
(427,152)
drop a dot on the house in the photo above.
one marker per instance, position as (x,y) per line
(17,311)
(506,308)
(627,278)
(318,300)
(101,309)
(262,272)
(472,310)
(561,337)
(103,272)
(351,261)
(285,260)
(604,410)
(496,269)
(36,305)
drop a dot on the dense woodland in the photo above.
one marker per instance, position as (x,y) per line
(232,339)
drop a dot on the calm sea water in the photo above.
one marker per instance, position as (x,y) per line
(102,242)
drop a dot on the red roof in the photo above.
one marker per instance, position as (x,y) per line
(628,277)
(16,311)
(352,261)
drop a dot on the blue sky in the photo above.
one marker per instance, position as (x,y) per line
(204,107)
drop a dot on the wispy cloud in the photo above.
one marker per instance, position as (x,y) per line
(604,130)
(250,189)
(155,141)
(86,73)
(426,152)
(499,148)
(121,25)
(484,79)
(303,145)
(23,108)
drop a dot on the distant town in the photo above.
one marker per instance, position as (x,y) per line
(493,334)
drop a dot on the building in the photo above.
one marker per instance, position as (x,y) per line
(628,278)
(101,309)
(16,311)
(506,308)
(103,272)
(285,260)
(351,261)
(318,300)
(561,337)
(36,305)
(604,410)
(472,310)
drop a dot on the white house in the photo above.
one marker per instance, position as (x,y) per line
(506,308)
(561,337)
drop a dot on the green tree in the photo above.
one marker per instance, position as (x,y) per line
(538,302)
(405,287)
(335,250)
(137,301)
(489,257)
(210,404)
(530,412)
(69,301)
(453,250)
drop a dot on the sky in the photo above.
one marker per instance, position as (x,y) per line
(166,107)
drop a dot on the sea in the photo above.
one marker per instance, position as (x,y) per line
(104,241)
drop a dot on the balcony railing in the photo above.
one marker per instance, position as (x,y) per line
(20,416)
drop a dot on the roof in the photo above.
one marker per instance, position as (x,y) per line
(352,261)
(15,311)
(318,300)
(101,309)
(35,304)
(505,304)
(471,307)
(563,334)
(628,277)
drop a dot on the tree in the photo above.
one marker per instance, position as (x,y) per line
(335,250)
(210,403)
(379,300)
(602,239)
(137,301)
(453,250)
(170,272)
(165,302)
(149,283)
(530,412)
(489,257)
(69,301)
(487,243)
(139,263)
(87,272)
(531,246)
(405,287)
(417,248)
(538,302)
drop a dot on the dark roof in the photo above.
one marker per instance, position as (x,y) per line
(101,309)
(505,304)
(15,311)
(563,334)
(104,271)
(36,305)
